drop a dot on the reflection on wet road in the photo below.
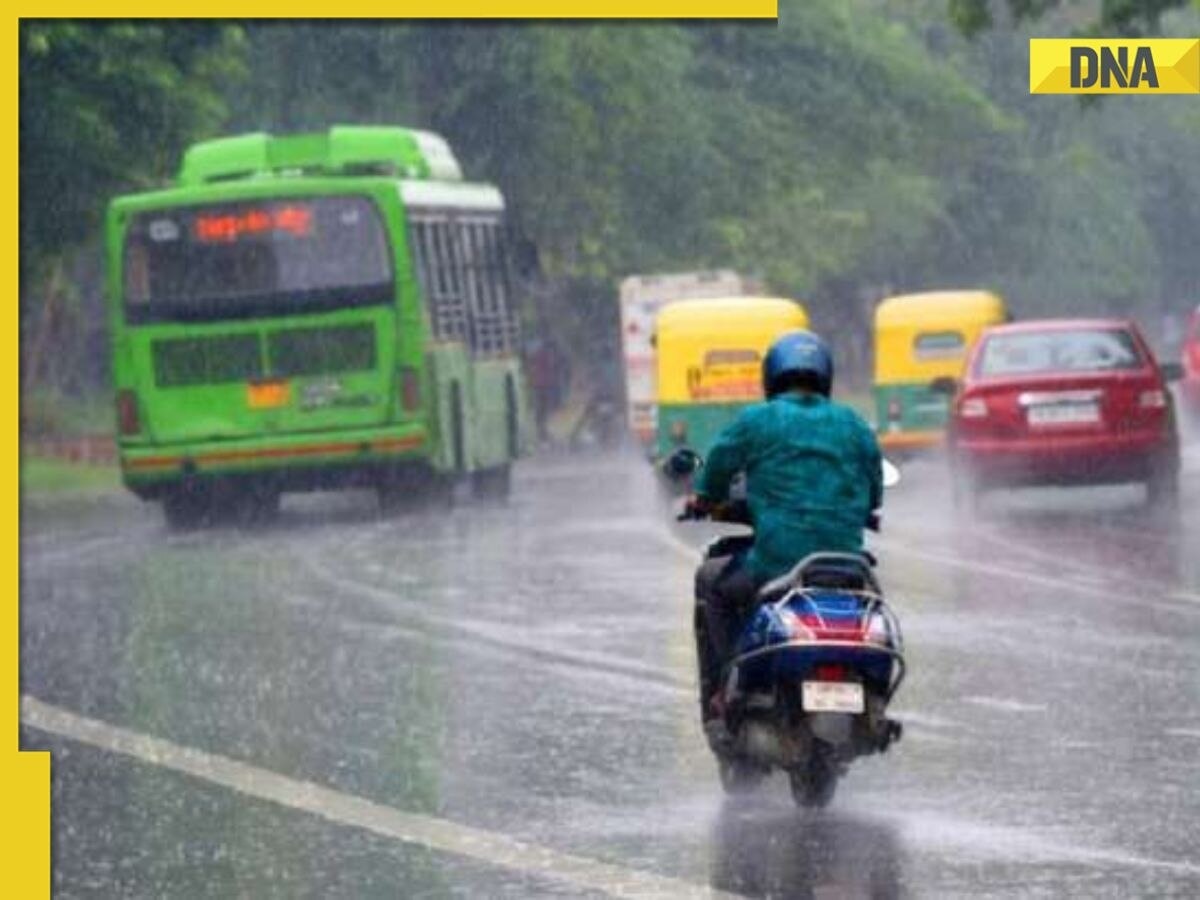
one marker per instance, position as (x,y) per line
(521,678)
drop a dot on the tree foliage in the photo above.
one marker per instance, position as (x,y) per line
(105,107)
(851,149)
(1113,17)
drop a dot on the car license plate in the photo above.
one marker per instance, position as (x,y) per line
(833,696)
(1064,414)
(268,394)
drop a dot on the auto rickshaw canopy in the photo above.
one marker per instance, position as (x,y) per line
(710,351)
(919,337)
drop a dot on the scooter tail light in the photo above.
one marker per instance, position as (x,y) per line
(830,672)
(877,630)
(128,420)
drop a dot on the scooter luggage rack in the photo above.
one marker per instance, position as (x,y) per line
(875,604)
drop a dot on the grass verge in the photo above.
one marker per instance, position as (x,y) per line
(40,475)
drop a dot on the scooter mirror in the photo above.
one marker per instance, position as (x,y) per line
(891,474)
(681,463)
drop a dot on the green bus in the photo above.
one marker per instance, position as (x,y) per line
(313,311)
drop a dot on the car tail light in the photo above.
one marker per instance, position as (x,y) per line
(1153,399)
(973,408)
(128,421)
(893,410)
(410,390)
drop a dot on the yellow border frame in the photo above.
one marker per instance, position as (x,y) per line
(24,777)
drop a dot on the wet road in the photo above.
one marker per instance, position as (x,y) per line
(499,702)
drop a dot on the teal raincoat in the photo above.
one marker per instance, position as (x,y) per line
(813,476)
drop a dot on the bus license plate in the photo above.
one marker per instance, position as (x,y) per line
(1064,414)
(833,696)
(268,394)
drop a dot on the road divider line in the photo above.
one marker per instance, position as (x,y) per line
(512,639)
(693,554)
(335,806)
(1019,574)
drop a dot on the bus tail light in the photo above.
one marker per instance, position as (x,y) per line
(128,421)
(410,390)
(893,410)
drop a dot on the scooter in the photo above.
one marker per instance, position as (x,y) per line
(812,673)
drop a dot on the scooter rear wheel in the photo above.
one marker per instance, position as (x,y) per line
(814,783)
(739,776)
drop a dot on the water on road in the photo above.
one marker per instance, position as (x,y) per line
(500,701)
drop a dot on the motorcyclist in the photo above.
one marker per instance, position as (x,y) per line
(812,477)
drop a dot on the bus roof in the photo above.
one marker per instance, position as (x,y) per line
(713,314)
(343,149)
(939,306)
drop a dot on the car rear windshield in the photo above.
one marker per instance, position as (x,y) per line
(1082,350)
(251,258)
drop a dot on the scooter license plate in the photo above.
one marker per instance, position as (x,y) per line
(832,696)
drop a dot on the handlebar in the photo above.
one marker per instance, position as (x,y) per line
(736,512)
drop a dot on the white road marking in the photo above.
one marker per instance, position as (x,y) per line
(1021,575)
(686,551)
(1026,846)
(513,639)
(442,835)
(1184,732)
(1005,705)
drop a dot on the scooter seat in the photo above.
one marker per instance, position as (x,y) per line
(831,571)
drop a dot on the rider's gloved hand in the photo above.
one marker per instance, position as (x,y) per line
(696,507)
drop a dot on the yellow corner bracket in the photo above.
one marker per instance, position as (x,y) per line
(24,777)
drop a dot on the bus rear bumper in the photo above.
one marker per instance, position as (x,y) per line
(290,462)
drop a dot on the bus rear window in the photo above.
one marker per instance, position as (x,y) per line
(249,258)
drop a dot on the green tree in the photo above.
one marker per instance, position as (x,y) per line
(103,108)
(1114,17)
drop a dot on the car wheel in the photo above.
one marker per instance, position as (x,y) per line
(965,490)
(1162,488)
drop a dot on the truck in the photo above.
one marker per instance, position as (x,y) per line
(640,298)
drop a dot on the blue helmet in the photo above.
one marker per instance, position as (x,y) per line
(797,358)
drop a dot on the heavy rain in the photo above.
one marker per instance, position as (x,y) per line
(383,387)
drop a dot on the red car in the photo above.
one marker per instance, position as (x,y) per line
(1070,401)
(1191,366)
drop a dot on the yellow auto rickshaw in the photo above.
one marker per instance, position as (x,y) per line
(709,363)
(919,338)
